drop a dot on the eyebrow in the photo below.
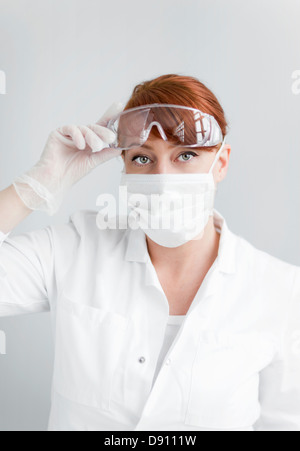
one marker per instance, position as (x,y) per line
(146,146)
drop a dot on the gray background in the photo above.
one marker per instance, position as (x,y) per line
(66,61)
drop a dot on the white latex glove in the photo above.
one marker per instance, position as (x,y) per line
(70,153)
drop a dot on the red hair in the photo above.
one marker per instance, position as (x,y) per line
(179,90)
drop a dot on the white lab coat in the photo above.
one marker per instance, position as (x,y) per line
(234,364)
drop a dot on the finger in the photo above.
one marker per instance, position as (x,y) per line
(91,138)
(74,133)
(113,110)
(104,133)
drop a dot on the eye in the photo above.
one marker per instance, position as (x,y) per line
(142,157)
(188,154)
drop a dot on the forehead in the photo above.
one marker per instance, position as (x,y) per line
(155,146)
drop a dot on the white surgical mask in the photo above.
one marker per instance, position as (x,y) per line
(158,220)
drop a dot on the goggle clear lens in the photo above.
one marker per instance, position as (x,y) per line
(181,126)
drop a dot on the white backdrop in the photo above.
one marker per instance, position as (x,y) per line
(66,61)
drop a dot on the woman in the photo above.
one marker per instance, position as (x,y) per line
(154,329)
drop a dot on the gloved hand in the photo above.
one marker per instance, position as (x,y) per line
(70,153)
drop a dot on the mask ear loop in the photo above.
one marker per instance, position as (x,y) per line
(217,156)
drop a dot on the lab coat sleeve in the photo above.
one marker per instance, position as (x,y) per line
(280,381)
(26,266)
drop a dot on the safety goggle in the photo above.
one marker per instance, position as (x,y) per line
(183,126)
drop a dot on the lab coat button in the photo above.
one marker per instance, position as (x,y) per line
(142,359)
(168,362)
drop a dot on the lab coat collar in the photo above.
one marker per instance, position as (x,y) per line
(137,250)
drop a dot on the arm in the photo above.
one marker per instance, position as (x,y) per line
(23,278)
(27,276)
(12,210)
(280,381)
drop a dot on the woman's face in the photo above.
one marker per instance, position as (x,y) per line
(157,156)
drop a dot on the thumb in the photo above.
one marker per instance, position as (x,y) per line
(104,155)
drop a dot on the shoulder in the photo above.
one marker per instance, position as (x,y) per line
(82,227)
(80,239)
(265,267)
(90,225)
